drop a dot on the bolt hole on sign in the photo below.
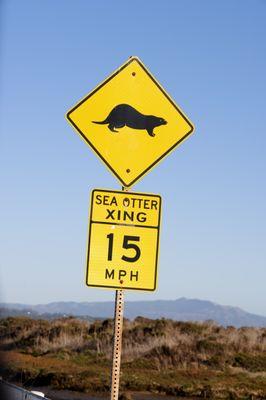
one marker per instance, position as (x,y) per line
(130,122)
(123,240)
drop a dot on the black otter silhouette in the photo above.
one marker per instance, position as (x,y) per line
(125,115)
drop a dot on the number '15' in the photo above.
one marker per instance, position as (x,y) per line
(127,244)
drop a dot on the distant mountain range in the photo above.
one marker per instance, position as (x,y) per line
(181,309)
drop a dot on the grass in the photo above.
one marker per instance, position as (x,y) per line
(160,356)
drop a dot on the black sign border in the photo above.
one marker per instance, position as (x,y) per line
(68,116)
(157,243)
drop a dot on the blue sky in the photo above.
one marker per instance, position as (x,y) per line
(211,58)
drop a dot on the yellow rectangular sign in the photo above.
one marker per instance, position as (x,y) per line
(123,240)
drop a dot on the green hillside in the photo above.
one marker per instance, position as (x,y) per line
(159,356)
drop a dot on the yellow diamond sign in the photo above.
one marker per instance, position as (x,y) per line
(130,122)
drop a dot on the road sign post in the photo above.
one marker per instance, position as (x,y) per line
(117,343)
(131,123)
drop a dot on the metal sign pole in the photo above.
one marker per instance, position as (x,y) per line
(117,345)
(118,327)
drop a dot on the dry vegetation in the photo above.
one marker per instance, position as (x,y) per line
(180,358)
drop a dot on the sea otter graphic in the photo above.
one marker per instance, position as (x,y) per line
(125,115)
